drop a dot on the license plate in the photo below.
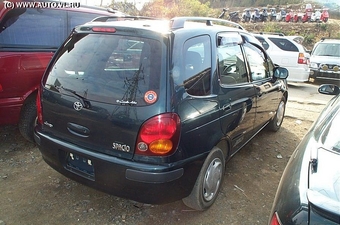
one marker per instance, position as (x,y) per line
(80,165)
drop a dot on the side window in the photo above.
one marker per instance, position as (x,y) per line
(260,66)
(284,44)
(38,28)
(196,72)
(231,64)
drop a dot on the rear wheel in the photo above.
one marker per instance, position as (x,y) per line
(275,123)
(28,119)
(208,183)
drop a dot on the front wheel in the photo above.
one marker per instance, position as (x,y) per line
(275,123)
(208,183)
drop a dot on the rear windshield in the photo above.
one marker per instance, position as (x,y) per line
(327,49)
(108,68)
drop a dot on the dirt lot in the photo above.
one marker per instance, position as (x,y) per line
(33,193)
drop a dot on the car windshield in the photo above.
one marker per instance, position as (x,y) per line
(327,49)
(330,137)
(107,68)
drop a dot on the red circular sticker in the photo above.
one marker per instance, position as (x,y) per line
(150,97)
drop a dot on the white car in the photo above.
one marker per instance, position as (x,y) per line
(325,60)
(287,51)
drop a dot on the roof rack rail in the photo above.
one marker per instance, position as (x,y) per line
(178,22)
(106,18)
(273,33)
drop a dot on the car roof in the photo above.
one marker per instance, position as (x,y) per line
(330,40)
(201,24)
(296,39)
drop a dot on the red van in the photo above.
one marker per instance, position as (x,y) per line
(28,39)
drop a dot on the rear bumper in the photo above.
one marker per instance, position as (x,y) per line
(142,182)
(321,74)
(298,74)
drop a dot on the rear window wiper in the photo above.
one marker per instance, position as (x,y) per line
(86,103)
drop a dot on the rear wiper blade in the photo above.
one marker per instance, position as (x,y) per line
(86,103)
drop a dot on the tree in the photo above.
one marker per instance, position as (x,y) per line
(125,7)
(170,9)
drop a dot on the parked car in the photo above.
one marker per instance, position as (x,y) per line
(28,39)
(288,52)
(272,14)
(325,60)
(324,15)
(309,190)
(316,16)
(281,15)
(246,15)
(151,112)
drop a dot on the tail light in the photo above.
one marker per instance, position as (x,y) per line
(275,220)
(302,59)
(159,136)
(39,107)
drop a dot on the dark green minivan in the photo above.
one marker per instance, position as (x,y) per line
(151,110)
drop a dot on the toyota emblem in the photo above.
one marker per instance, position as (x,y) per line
(77,106)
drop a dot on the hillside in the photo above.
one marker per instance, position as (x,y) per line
(312,32)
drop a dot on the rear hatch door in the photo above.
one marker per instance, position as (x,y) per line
(100,88)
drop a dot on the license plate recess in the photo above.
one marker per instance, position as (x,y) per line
(80,165)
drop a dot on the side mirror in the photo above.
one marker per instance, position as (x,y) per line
(329,89)
(280,72)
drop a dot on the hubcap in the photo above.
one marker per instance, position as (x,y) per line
(212,179)
(280,113)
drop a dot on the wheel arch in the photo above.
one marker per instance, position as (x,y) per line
(224,145)
(32,93)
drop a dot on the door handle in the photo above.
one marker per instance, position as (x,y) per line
(226,107)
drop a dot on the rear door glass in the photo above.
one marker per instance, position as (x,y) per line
(108,68)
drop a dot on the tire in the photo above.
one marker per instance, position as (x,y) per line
(276,122)
(28,119)
(208,183)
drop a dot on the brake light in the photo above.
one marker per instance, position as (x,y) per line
(159,136)
(39,107)
(104,29)
(275,220)
(302,59)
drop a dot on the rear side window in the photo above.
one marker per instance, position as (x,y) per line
(108,68)
(43,28)
(284,44)
(192,66)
